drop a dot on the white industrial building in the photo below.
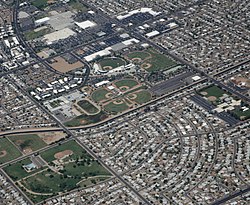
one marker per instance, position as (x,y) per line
(86,24)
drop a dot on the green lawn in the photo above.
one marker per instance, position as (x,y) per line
(112,62)
(80,165)
(8,151)
(40,4)
(32,141)
(87,106)
(138,54)
(159,61)
(85,169)
(77,5)
(49,182)
(143,97)
(116,108)
(241,115)
(100,94)
(16,171)
(86,119)
(55,103)
(213,91)
(126,82)
(48,155)
(90,181)
(30,35)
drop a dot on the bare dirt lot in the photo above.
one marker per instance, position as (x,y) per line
(52,137)
(63,66)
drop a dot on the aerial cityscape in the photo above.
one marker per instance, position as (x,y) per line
(124,102)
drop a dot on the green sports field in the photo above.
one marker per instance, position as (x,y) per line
(8,151)
(72,145)
(143,96)
(77,167)
(138,54)
(159,61)
(130,83)
(213,91)
(30,141)
(116,108)
(100,94)
(86,119)
(111,62)
(88,106)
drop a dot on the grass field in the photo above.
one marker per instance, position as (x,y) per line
(213,91)
(16,171)
(116,108)
(33,142)
(99,95)
(93,180)
(7,151)
(48,155)
(87,106)
(126,82)
(79,166)
(112,62)
(77,5)
(30,35)
(138,54)
(55,103)
(40,4)
(143,96)
(159,61)
(240,114)
(86,119)
(49,182)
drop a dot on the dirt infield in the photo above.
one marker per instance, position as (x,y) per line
(124,88)
(146,65)
(3,153)
(109,95)
(63,154)
(107,68)
(204,93)
(118,102)
(132,96)
(212,98)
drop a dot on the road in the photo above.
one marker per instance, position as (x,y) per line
(231,196)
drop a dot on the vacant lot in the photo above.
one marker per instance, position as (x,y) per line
(63,66)
(7,151)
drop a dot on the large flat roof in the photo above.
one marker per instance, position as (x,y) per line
(85,24)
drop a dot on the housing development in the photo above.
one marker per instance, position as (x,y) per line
(137,102)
